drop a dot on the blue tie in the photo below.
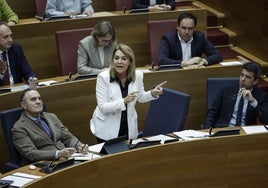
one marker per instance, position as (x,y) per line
(239,112)
(44,126)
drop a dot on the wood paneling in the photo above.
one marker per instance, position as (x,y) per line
(248,20)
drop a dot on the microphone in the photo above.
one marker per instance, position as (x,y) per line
(70,76)
(124,10)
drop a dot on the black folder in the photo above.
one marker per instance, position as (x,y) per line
(115,145)
(169,67)
(85,76)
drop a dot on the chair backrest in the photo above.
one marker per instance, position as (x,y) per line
(67,44)
(40,7)
(215,85)
(8,119)
(123,4)
(157,29)
(167,114)
(263,85)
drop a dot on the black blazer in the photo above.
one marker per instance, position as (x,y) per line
(170,51)
(20,69)
(219,115)
(139,4)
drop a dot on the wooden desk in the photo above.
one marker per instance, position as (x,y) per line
(74,102)
(231,161)
(39,45)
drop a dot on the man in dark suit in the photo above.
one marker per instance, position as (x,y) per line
(157,5)
(39,135)
(185,45)
(225,109)
(13,64)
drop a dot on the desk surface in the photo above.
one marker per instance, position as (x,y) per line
(231,161)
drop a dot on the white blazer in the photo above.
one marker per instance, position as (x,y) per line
(105,122)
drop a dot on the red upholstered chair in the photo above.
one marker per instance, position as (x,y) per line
(263,85)
(40,7)
(156,29)
(67,45)
(121,4)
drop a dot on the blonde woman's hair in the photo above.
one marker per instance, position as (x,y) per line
(128,52)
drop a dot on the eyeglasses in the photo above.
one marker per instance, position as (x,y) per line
(106,41)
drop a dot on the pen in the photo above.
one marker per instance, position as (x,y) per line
(265,126)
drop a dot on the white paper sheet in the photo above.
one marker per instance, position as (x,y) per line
(231,63)
(85,157)
(96,148)
(254,129)
(191,134)
(20,179)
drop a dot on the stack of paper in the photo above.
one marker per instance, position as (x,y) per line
(254,129)
(191,134)
(85,157)
(20,179)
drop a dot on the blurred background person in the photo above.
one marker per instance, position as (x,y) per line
(13,64)
(95,51)
(69,7)
(7,14)
(186,46)
(154,5)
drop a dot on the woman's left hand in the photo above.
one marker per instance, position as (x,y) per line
(158,90)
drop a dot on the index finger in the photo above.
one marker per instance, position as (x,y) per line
(160,85)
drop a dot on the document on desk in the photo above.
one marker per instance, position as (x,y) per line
(255,129)
(161,138)
(231,63)
(85,157)
(96,148)
(47,83)
(191,134)
(19,88)
(20,179)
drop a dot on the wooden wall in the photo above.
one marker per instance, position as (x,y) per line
(249,20)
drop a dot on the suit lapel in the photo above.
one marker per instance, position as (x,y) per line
(35,127)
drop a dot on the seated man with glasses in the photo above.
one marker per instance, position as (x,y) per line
(95,51)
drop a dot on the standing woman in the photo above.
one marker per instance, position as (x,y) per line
(7,14)
(95,51)
(117,91)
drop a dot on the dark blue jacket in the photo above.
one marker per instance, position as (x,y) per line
(170,51)
(220,113)
(20,69)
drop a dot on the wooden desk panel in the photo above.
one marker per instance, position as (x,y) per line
(232,161)
(38,39)
(74,102)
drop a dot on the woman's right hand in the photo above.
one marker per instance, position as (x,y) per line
(130,97)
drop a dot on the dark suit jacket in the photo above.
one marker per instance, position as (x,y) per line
(170,51)
(219,115)
(20,69)
(34,144)
(139,4)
